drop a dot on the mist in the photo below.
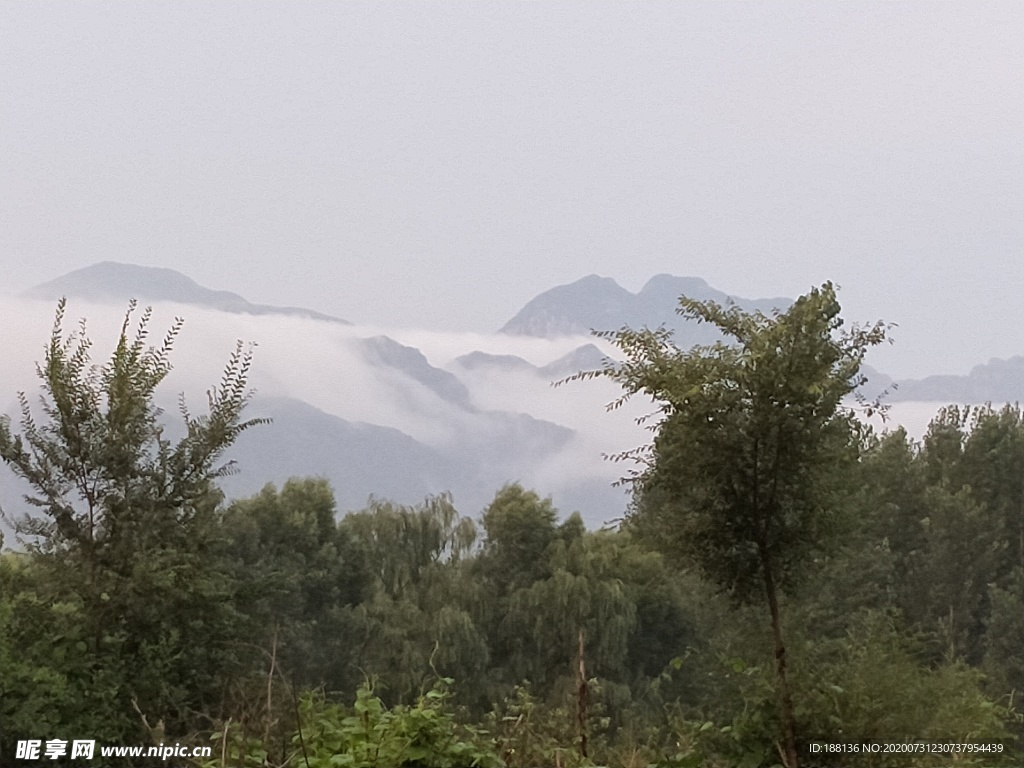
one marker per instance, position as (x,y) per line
(470,427)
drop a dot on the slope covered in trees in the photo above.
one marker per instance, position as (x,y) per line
(144,609)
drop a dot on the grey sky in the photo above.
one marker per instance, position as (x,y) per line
(438,165)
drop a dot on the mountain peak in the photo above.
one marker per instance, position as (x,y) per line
(592,302)
(115,281)
(599,303)
(112,280)
(596,280)
(664,281)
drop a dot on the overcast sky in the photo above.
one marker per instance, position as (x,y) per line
(437,165)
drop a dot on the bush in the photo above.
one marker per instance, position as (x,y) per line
(369,735)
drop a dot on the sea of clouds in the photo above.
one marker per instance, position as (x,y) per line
(325,365)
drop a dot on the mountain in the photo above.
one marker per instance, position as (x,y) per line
(601,304)
(361,459)
(375,416)
(998,381)
(384,351)
(585,358)
(878,384)
(475,361)
(112,281)
(567,310)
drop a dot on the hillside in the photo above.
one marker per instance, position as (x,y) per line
(113,281)
(601,304)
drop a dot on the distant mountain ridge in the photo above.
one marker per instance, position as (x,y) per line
(459,434)
(111,280)
(585,358)
(601,304)
(997,381)
(361,459)
(385,351)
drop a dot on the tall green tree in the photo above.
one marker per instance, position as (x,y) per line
(296,573)
(417,624)
(403,544)
(743,475)
(981,450)
(949,509)
(521,532)
(124,521)
(520,527)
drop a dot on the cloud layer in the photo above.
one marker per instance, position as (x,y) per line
(393,412)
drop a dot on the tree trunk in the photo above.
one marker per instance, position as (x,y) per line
(790,756)
(581,704)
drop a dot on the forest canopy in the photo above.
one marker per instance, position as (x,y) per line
(786,577)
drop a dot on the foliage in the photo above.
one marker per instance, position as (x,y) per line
(404,544)
(745,467)
(142,607)
(102,471)
(369,735)
(416,623)
(949,510)
(870,686)
(1004,639)
(754,438)
(529,732)
(520,527)
(123,582)
(297,572)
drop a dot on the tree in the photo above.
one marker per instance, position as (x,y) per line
(584,593)
(982,450)
(417,623)
(520,527)
(521,532)
(743,474)
(950,510)
(125,518)
(296,572)
(403,544)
